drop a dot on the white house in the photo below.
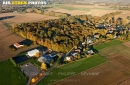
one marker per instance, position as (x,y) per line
(32,53)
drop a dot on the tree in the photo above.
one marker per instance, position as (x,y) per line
(59,55)
(37,55)
(44,66)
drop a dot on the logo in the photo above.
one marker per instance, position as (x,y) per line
(24,2)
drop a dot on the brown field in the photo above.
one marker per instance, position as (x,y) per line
(114,72)
(7,38)
(25,17)
(94,10)
(127,44)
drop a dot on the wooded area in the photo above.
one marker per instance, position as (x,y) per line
(64,33)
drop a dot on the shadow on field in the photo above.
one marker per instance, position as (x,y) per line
(6,17)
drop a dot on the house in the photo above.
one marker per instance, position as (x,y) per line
(17,45)
(68,58)
(77,50)
(48,58)
(74,54)
(90,52)
(89,41)
(96,35)
(32,53)
(42,59)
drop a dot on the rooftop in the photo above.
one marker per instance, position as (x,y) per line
(30,70)
(33,52)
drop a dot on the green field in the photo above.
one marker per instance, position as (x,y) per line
(107,44)
(10,75)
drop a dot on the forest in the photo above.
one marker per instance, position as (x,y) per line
(64,33)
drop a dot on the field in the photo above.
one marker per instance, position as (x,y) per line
(116,71)
(109,74)
(10,75)
(109,70)
(7,38)
(25,17)
(94,10)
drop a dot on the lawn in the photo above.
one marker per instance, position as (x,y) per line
(72,69)
(10,75)
(107,44)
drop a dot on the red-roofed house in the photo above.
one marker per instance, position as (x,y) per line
(17,45)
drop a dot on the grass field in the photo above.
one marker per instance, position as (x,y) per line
(107,44)
(72,69)
(9,75)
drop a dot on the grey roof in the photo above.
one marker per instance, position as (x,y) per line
(42,59)
(30,70)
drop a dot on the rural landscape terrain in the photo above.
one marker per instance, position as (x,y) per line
(65,43)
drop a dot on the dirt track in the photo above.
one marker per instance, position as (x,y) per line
(114,72)
(7,38)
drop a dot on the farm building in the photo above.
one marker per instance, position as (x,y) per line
(32,53)
(17,45)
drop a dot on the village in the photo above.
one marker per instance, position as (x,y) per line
(47,58)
